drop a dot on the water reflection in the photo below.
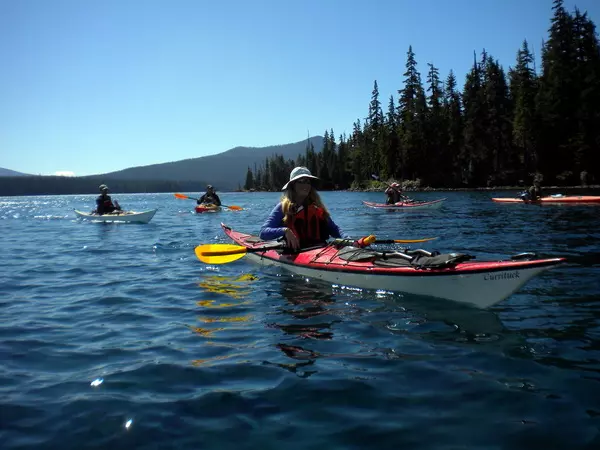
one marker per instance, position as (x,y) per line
(220,315)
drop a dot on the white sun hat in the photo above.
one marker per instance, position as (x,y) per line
(298,172)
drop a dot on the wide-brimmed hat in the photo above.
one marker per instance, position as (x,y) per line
(298,172)
(103,187)
(395,185)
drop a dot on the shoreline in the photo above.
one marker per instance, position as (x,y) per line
(428,189)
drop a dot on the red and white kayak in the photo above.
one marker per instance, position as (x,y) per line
(553,199)
(207,208)
(435,204)
(481,283)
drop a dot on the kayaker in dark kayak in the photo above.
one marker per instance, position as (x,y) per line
(301,217)
(210,198)
(104,204)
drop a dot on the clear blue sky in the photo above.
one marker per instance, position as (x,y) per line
(93,86)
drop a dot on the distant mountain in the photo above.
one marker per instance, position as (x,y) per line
(226,171)
(11,173)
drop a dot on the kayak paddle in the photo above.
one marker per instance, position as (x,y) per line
(403,241)
(183,196)
(226,253)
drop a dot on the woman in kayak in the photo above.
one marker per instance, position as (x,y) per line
(300,217)
(104,204)
(210,198)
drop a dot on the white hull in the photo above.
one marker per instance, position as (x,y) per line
(123,217)
(479,289)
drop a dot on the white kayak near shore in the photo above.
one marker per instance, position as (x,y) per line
(121,216)
(407,206)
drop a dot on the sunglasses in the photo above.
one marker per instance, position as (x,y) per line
(303,181)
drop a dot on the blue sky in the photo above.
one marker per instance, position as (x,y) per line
(90,86)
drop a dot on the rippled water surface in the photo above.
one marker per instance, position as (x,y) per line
(116,336)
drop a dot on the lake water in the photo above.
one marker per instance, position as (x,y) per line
(116,336)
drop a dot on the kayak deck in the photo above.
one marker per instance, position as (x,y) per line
(482,283)
(435,204)
(122,216)
(568,199)
(207,208)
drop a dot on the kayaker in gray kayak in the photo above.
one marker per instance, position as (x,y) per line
(300,217)
(104,204)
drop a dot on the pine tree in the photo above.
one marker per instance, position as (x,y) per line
(454,130)
(412,111)
(436,158)
(249,184)
(474,152)
(523,88)
(557,99)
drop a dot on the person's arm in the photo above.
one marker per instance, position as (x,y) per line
(201,199)
(217,200)
(272,228)
(334,230)
(99,206)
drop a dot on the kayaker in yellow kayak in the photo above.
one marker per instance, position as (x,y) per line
(210,197)
(300,217)
(104,204)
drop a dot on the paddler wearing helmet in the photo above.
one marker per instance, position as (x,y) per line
(104,204)
(300,217)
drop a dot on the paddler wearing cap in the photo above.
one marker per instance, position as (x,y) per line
(300,217)
(210,197)
(104,204)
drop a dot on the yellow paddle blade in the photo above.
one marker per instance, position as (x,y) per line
(413,241)
(234,207)
(183,196)
(219,253)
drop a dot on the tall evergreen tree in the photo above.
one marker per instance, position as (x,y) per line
(435,146)
(411,115)
(454,131)
(523,88)
(557,99)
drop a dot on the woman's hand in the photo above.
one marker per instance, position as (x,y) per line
(291,239)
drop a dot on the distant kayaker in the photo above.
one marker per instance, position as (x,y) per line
(534,193)
(300,217)
(394,194)
(104,204)
(210,197)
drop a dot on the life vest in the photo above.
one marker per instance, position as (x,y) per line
(107,204)
(308,224)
